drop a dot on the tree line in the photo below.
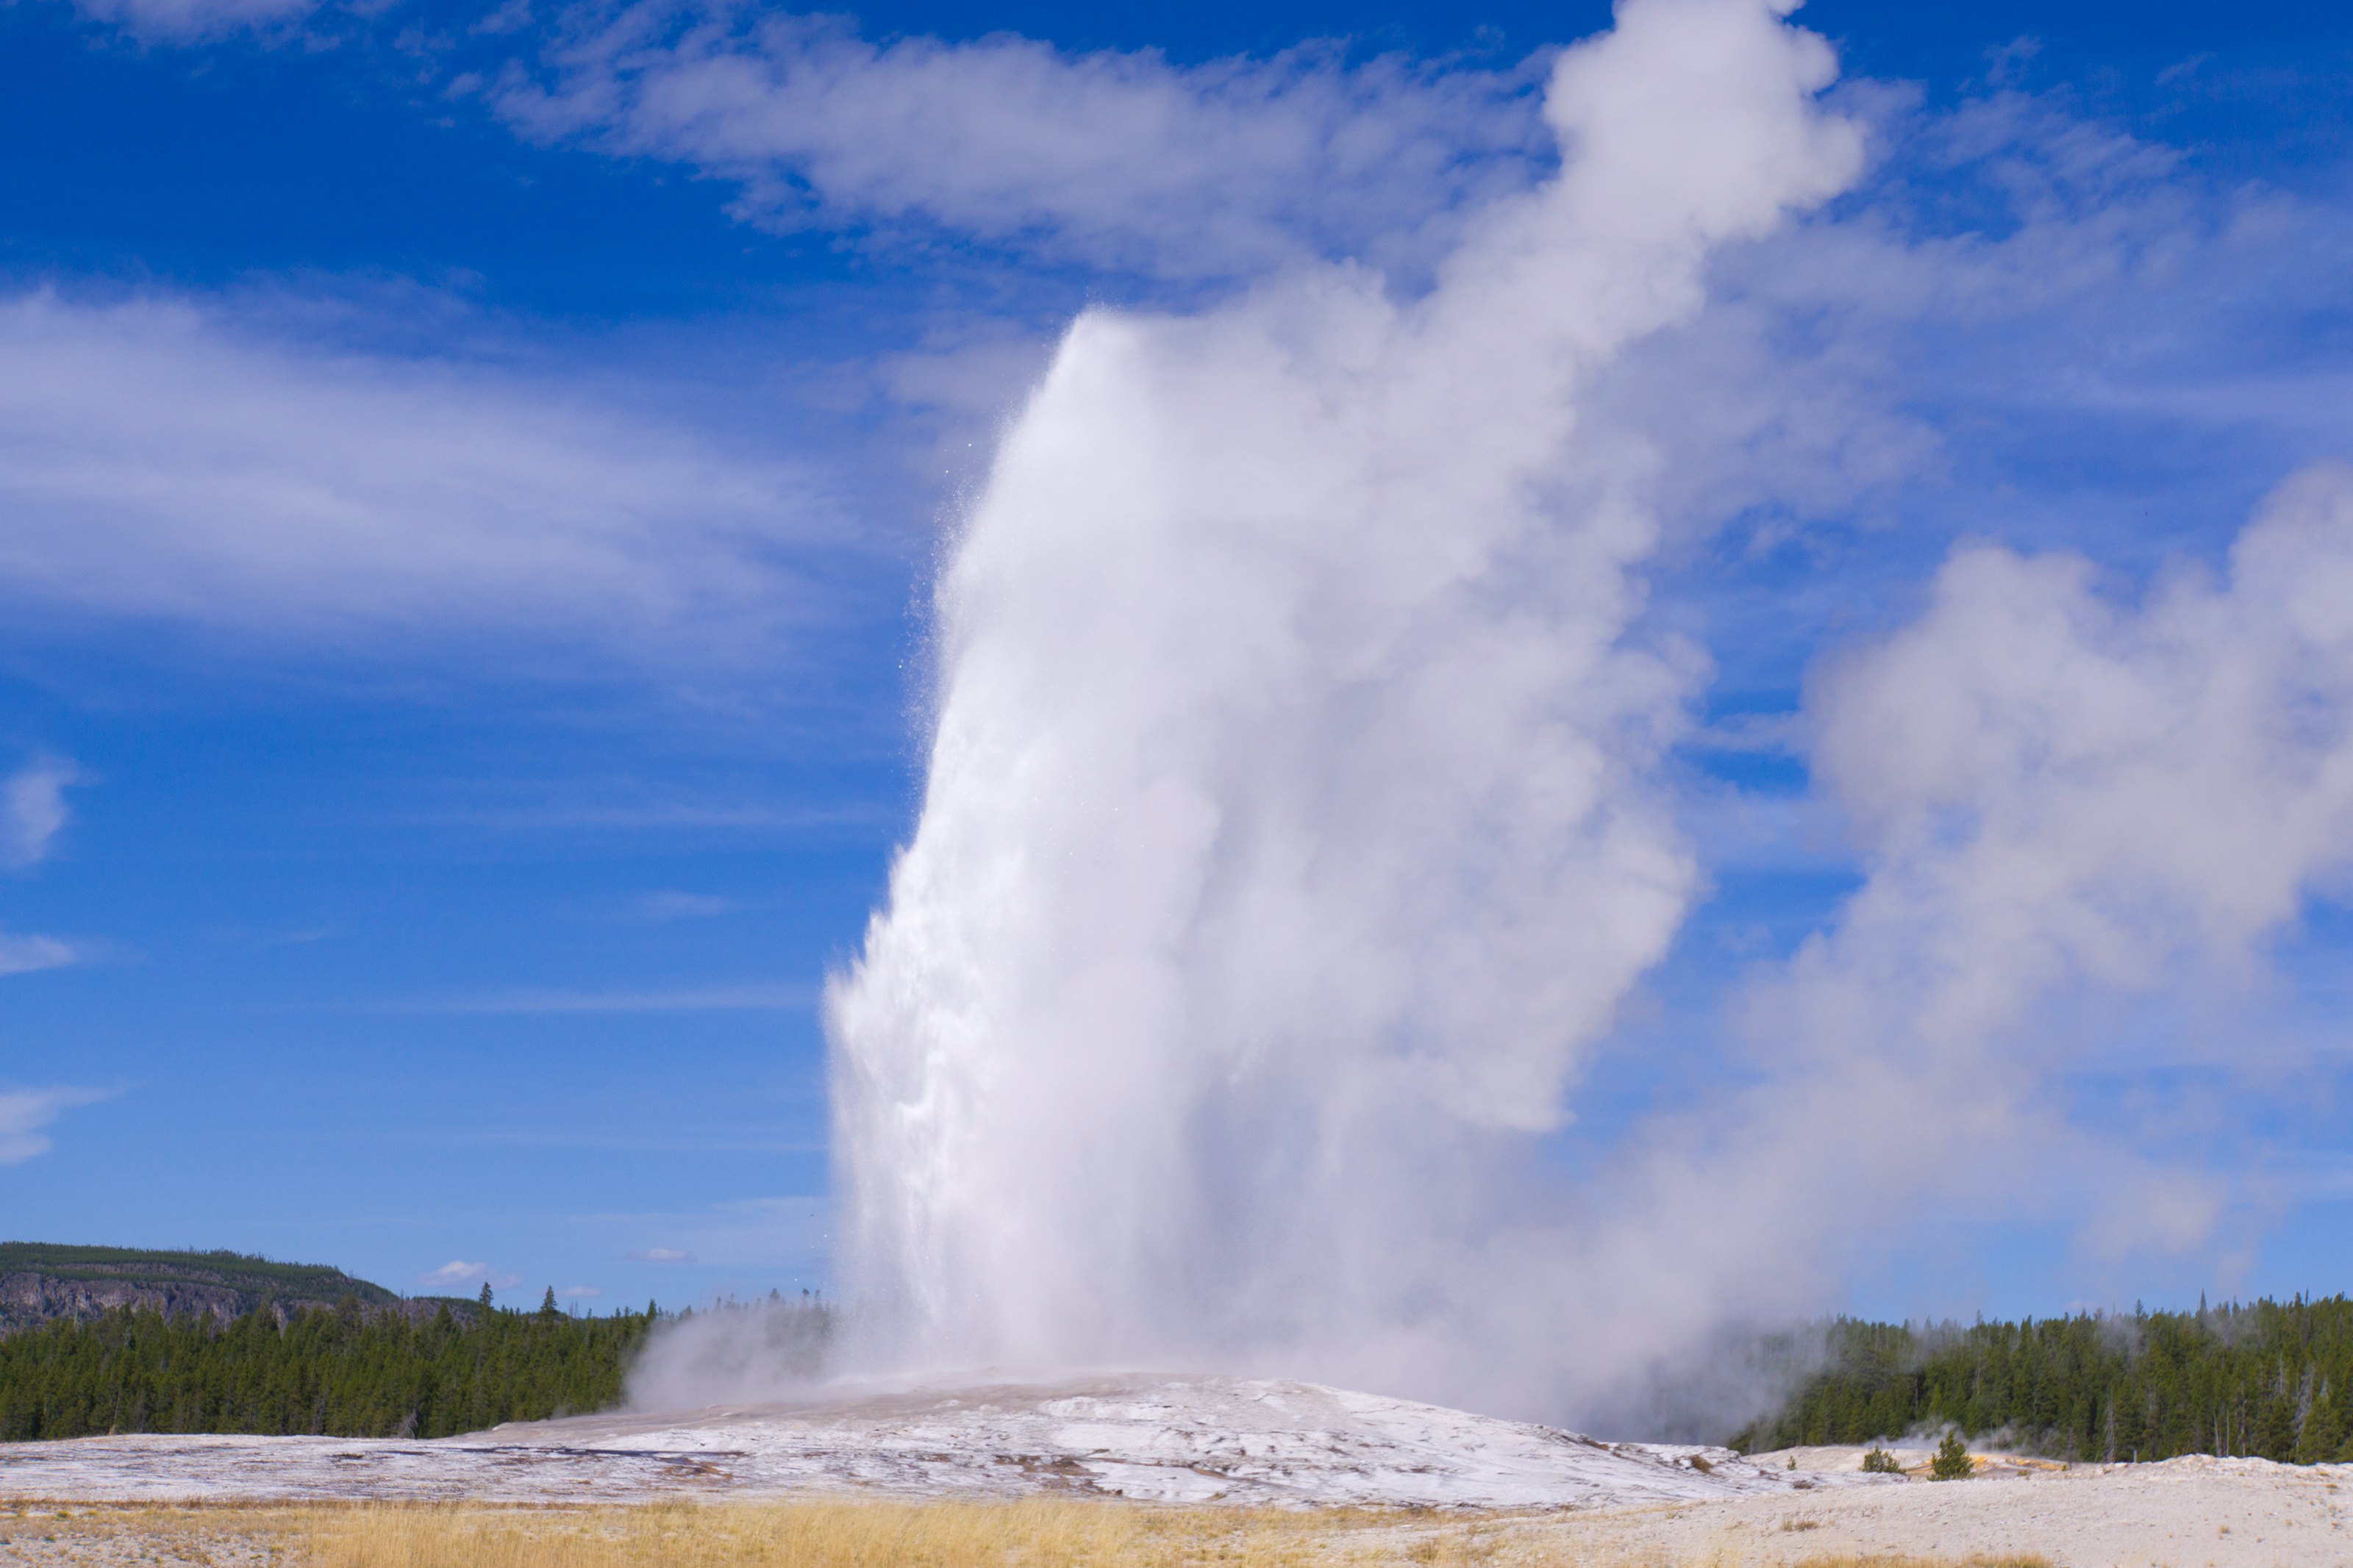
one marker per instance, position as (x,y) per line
(2268,1379)
(351,1371)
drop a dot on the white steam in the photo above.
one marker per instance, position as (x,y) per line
(1291,826)
(2060,796)
(2067,807)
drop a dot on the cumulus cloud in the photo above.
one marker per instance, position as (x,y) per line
(33,810)
(25,1114)
(163,458)
(1119,159)
(457,1271)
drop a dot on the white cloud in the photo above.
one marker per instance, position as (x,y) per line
(33,809)
(457,1271)
(662,1254)
(580,1292)
(30,954)
(26,1113)
(189,21)
(164,458)
(1114,159)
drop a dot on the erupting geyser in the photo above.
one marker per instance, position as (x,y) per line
(1292,822)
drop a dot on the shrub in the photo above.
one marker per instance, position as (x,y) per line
(1879,1462)
(1952,1460)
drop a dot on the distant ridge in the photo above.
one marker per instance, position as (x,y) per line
(40,1282)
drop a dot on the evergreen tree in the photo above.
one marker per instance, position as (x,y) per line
(2275,1429)
(1952,1460)
(2264,1378)
(2324,1430)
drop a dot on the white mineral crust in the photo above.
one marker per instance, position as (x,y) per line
(1158,1439)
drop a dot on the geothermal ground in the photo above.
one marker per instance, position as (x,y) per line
(1155,1439)
(1519,1493)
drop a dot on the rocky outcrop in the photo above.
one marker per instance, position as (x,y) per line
(40,1283)
(27,1299)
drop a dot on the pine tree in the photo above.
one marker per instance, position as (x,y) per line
(2324,1430)
(2275,1429)
(1952,1460)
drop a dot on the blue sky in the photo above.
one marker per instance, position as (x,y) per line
(465,523)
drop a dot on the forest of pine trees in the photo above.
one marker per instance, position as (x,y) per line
(353,1372)
(2272,1379)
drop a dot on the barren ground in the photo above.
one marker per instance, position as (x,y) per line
(1120,1473)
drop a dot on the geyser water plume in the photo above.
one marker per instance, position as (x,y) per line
(1292,823)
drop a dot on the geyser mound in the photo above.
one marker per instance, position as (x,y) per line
(1192,1440)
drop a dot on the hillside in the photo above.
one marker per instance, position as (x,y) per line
(42,1283)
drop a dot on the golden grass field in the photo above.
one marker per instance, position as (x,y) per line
(807,1534)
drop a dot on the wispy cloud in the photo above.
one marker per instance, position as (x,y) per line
(757,998)
(676,906)
(580,1292)
(26,1113)
(29,955)
(33,809)
(1114,158)
(189,21)
(662,1254)
(173,458)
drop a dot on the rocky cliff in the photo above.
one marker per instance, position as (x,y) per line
(39,1283)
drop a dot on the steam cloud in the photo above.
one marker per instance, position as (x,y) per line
(1295,827)
(1291,824)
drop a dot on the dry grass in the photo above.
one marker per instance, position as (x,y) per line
(859,1534)
(815,1534)
(2005,1559)
(818,1534)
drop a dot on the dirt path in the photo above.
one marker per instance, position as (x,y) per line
(2184,1513)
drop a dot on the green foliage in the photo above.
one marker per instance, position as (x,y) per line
(1879,1462)
(1952,1460)
(2269,1379)
(349,1372)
